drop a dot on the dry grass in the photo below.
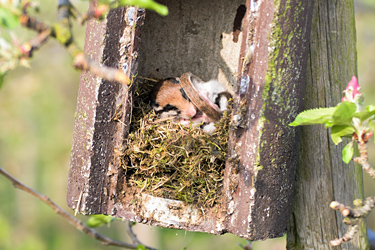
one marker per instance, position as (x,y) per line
(168,160)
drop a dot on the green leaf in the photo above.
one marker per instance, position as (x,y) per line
(314,116)
(2,75)
(147,4)
(7,19)
(141,247)
(348,152)
(339,131)
(364,115)
(344,113)
(370,108)
(372,126)
(99,220)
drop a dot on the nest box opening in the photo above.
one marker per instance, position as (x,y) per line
(168,160)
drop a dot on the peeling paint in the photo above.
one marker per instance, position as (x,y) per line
(231,207)
(169,211)
(244,84)
(254,5)
(125,68)
(130,17)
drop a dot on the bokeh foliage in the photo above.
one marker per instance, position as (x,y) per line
(37,108)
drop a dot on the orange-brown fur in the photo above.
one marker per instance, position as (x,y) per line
(168,92)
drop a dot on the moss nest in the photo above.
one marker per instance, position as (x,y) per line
(171,161)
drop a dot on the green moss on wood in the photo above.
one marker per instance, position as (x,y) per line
(282,74)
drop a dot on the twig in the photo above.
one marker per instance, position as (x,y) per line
(147,78)
(352,231)
(355,212)
(98,14)
(32,23)
(133,236)
(44,32)
(143,188)
(78,203)
(35,43)
(72,220)
(363,160)
(61,31)
(354,216)
(161,183)
(82,62)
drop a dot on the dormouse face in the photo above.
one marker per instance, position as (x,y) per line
(169,99)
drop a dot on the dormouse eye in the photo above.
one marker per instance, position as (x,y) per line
(184,95)
(168,108)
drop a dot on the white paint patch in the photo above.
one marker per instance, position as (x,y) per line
(229,195)
(231,207)
(254,5)
(219,226)
(244,85)
(125,68)
(252,193)
(251,198)
(130,16)
(83,202)
(169,211)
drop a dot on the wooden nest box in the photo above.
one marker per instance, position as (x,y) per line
(260,48)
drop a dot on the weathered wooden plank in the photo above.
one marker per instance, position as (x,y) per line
(322,176)
(103,111)
(260,173)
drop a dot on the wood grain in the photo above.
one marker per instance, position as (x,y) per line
(321,174)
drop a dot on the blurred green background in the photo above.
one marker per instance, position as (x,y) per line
(37,108)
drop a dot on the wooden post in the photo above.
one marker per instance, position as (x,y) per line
(322,176)
(260,48)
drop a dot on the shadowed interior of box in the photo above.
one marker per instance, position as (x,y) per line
(198,36)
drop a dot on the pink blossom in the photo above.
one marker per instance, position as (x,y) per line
(352,90)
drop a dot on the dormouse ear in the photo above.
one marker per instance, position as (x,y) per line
(195,80)
(174,80)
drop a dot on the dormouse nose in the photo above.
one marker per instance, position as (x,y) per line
(190,111)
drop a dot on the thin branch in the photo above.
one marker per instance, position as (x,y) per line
(82,62)
(44,32)
(363,160)
(354,216)
(35,43)
(133,236)
(98,13)
(72,220)
(360,212)
(64,12)
(33,23)
(352,231)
